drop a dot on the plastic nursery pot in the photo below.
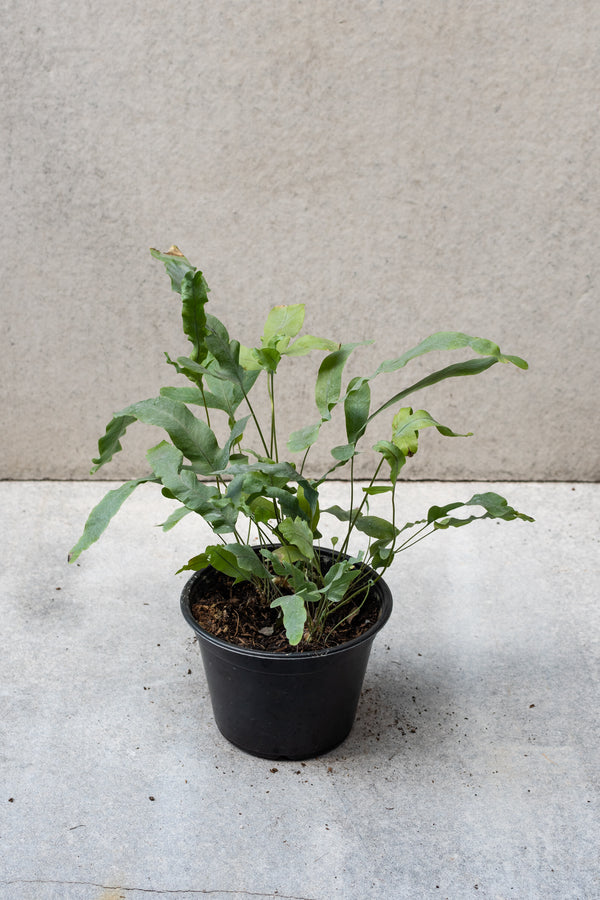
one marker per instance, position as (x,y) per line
(284,705)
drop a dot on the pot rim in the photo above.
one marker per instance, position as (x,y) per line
(380,587)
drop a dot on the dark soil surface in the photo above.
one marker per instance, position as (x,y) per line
(238,615)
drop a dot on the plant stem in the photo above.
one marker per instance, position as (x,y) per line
(304,460)
(413,539)
(256,422)
(354,519)
(271,387)
(201,386)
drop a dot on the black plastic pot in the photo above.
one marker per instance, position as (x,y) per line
(284,705)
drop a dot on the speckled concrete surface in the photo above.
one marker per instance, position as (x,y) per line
(401,167)
(472,770)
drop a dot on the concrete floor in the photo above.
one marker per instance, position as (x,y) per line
(472,770)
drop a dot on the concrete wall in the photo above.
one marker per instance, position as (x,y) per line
(400,167)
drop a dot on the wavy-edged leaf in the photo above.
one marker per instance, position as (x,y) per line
(339,578)
(194,296)
(303,438)
(248,360)
(329,378)
(267,358)
(183,394)
(103,512)
(495,506)
(238,561)
(110,442)
(281,473)
(176,265)
(174,518)
(294,616)
(222,395)
(372,526)
(190,435)
(393,457)
(193,437)
(283,322)
(235,434)
(450,340)
(357,404)
(297,532)
(308,342)
(457,370)
(407,424)
(226,395)
(225,351)
(343,515)
(183,485)
(261,510)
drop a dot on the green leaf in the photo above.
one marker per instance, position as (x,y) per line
(267,358)
(407,424)
(283,322)
(344,452)
(248,561)
(287,500)
(237,561)
(281,473)
(221,394)
(393,456)
(339,578)
(457,370)
(176,265)
(344,515)
(288,555)
(103,512)
(225,351)
(308,510)
(183,394)
(226,395)
(110,443)
(235,434)
(357,404)
(308,342)
(248,360)
(294,616)
(329,379)
(303,438)
(372,526)
(381,555)
(450,340)
(496,507)
(297,532)
(262,510)
(190,435)
(194,295)
(166,462)
(176,516)
(376,527)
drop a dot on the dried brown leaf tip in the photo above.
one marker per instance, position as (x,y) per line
(173,251)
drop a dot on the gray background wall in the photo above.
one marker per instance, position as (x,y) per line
(400,167)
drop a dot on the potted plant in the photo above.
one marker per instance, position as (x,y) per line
(285,625)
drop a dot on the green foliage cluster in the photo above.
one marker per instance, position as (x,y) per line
(239,490)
